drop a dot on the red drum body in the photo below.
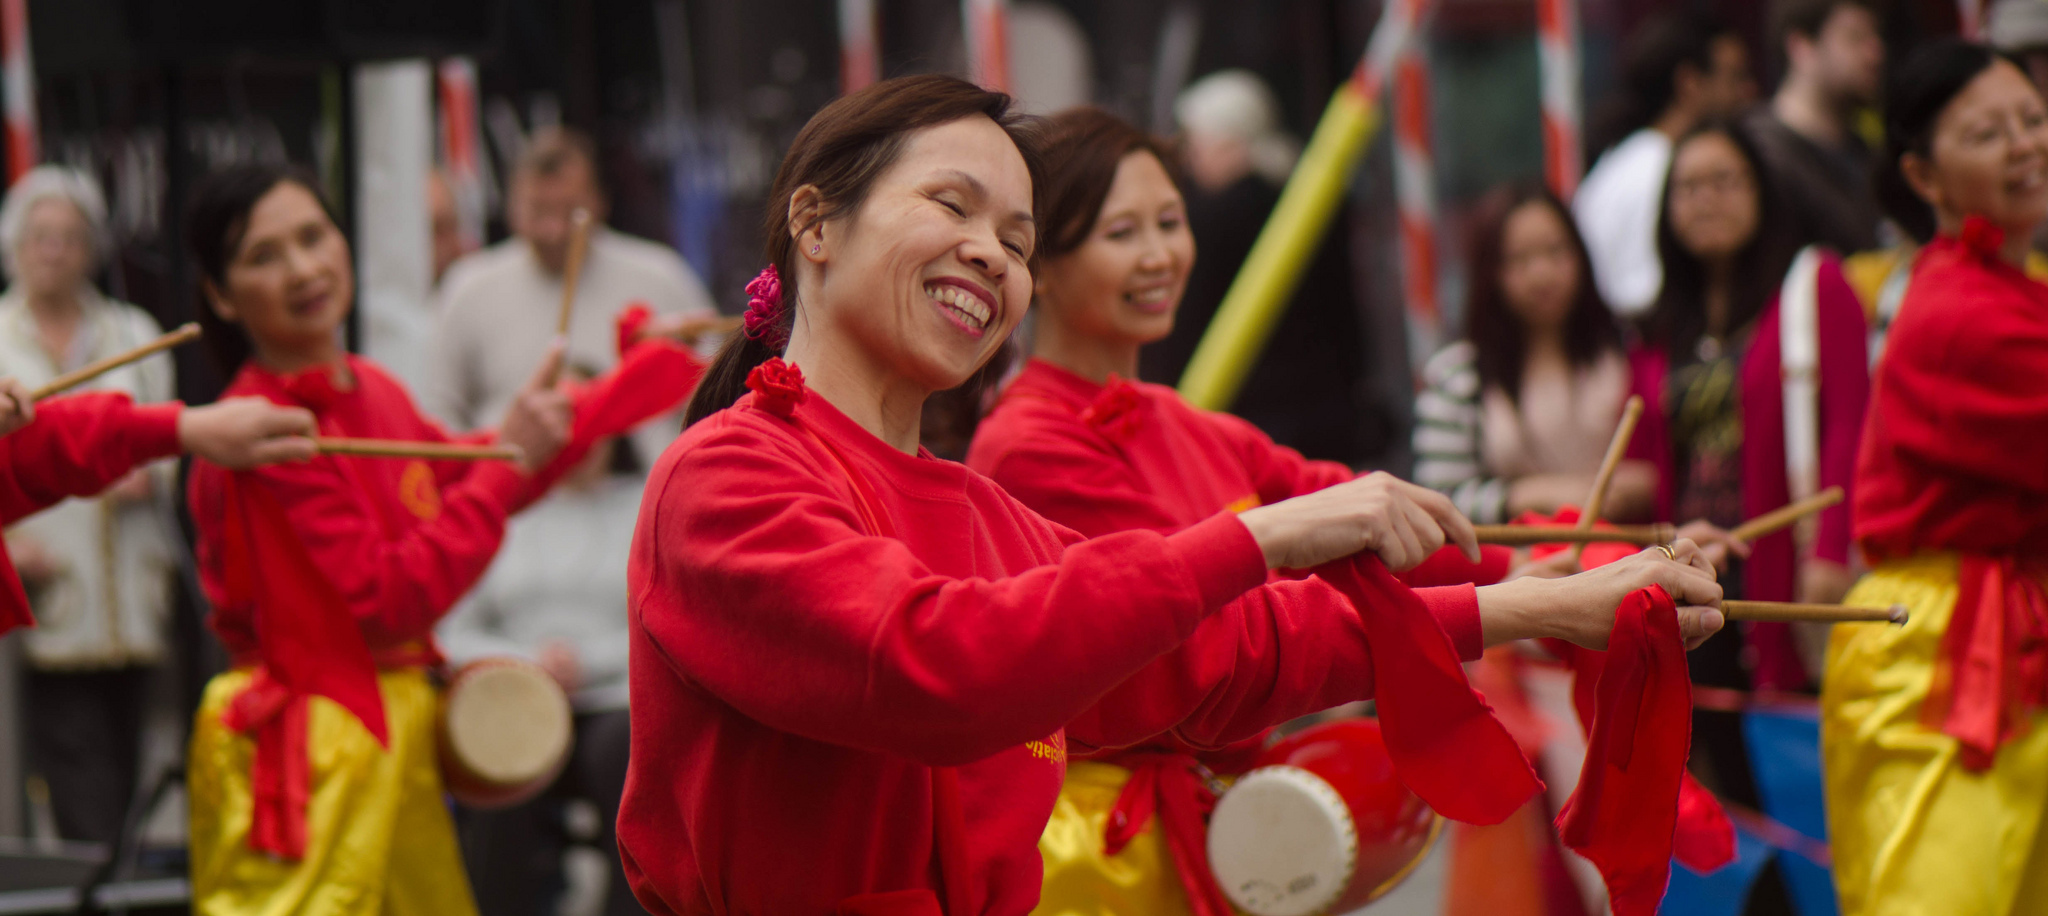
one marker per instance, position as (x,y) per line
(505,732)
(1322,825)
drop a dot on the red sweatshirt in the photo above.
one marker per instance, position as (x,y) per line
(1130,455)
(77,446)
(400,539)
(796,677)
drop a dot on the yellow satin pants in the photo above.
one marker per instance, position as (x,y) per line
(1082,881)
(379,841)
(1914,833)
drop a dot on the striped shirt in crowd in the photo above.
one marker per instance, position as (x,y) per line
(1447,440)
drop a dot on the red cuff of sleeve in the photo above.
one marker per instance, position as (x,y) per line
(502,481)
(1456,609)
(1222,558)
(153,431)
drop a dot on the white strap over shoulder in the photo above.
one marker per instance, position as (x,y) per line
(1799,349)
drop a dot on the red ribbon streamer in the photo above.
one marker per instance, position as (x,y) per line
(1446,744)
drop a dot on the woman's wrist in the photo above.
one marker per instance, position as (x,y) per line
(1513,610)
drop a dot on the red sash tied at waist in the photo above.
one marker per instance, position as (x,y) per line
(1992,673)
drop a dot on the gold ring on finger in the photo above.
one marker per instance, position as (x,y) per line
(1669,554)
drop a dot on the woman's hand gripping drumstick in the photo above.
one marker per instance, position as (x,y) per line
(17,408)
(1616,448)
(540,419)
(1401,522)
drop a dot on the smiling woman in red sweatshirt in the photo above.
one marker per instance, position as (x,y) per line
(1077,439)
(856,668)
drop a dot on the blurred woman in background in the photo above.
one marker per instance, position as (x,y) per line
(1711,371)
(1516,416)
(98,570)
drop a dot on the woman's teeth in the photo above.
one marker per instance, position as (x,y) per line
(959,300)
(1153,296)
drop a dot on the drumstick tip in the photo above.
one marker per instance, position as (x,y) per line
(1899,615)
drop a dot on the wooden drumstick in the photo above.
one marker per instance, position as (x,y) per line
(1616,447)
(572,273)
(400,448)
(1525,535)
(572,269)
(184,334)
(1790,612)
(1783,516)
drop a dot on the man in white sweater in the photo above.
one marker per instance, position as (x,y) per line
(499,306)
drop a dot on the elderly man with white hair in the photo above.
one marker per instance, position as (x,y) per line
(1309,389)
(98,571)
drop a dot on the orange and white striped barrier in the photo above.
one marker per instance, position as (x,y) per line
(455,83)
(1557,54)
(1415,198)
(860,57)
(986,24)
(1273,268)
(18,68)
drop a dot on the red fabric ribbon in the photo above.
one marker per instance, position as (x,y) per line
(1171,786)
(1625,815)
(308,645)
(1992,672)
(1446,744)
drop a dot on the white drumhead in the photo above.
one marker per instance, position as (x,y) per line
(1282,843)
(508,724)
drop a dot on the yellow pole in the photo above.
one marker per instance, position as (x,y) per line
(1273,269)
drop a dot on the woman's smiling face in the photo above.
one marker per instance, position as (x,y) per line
(1126,279)
(930,274)
(289,281)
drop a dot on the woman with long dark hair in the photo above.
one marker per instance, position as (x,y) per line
(1712,366)
(857,669)
(1719,379)
(313,778)
(1934,742)
(1515,416)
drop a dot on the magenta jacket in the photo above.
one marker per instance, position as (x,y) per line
(1771,574)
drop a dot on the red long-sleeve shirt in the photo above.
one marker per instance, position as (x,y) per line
(401,539)
(1131,455)
(1955,452)
(796,677)
(77,446)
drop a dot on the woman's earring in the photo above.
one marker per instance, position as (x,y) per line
(814,249)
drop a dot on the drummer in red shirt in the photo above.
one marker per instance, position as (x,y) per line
(80,444)
(298,803)
(1077,439)
(857,669)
